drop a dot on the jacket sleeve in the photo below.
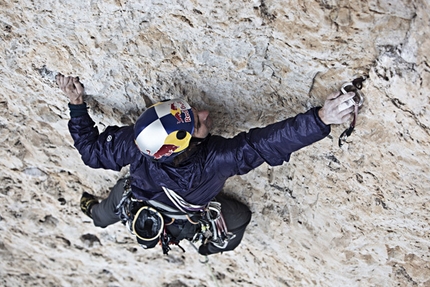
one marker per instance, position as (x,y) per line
(112,149)
(272,144)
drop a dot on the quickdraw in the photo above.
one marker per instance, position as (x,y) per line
(213,227)
(355,86)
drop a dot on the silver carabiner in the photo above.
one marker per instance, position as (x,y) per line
(358,99)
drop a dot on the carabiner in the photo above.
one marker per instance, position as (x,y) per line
(355,87)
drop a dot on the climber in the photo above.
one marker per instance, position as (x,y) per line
(177,169)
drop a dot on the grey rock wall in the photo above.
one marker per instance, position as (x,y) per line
(351,216)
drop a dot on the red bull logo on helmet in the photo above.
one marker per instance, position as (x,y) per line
(180,112)
(165,150)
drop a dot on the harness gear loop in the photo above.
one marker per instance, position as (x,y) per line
(354,86)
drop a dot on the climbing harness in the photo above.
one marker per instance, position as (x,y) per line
(213,228)
(155,216)
(355,86)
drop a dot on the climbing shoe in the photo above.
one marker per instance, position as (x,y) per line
(87,201)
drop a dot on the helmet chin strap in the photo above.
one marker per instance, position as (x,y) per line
(189,151)
(196,140)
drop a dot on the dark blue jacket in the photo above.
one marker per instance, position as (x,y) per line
(201,177)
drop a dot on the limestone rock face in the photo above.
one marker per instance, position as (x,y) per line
(351,216)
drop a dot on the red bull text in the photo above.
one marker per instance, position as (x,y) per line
(177,112)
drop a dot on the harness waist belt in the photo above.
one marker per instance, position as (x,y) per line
(171,211)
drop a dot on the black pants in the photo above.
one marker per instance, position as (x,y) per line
(104,213)
(236,215)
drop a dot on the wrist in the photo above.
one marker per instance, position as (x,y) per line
(321,116)
(76,101)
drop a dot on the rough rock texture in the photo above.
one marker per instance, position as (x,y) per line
(351,216)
